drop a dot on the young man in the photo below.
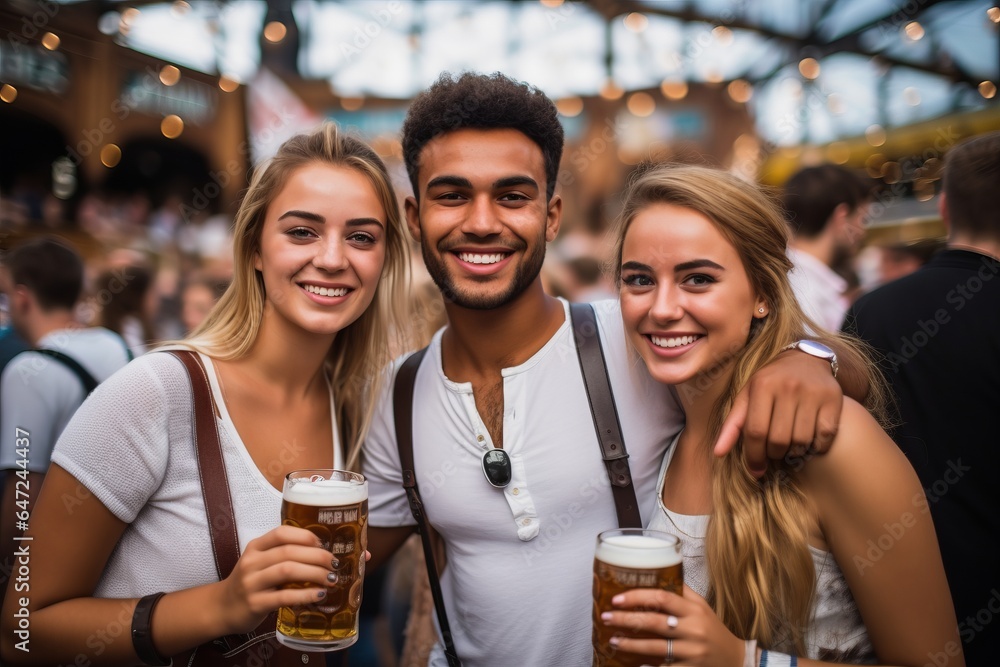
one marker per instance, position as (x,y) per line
(43,280)
(483,153)
(826,208)
(938,330)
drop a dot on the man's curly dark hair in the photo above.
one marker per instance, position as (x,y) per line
(482,101)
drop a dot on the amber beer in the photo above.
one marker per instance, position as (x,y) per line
(628,558)
(333,504)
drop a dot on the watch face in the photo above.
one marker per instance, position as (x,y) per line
(816,349)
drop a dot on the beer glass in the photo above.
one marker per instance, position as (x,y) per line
(333,504)
(628,558)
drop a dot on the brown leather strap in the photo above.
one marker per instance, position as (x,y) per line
(605,413)
(219,505)
(402,397)
(211,468)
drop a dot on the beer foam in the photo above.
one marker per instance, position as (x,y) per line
(326,493)
(640,552)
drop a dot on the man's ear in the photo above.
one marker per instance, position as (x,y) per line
(553,218)
(412,210)
(21,299)
(942,207)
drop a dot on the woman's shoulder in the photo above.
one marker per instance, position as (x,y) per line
(156,373)
(861,456)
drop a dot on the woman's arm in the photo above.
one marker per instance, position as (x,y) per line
(73,535)
(876,520)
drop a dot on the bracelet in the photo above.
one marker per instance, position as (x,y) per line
(142,633)
(750,653)
(775,659)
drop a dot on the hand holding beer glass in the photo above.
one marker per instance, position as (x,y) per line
(333,505)
(628,558)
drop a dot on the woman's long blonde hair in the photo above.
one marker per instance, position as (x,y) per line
(757,551)
(361,350)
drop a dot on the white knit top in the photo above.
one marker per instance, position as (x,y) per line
(131,445)
(836,633)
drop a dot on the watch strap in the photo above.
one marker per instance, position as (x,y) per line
(142,631)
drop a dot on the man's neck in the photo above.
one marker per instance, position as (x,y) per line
(46,323)
(989,247)
(480,343)
(820,247)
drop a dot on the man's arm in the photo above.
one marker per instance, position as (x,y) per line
(793,402)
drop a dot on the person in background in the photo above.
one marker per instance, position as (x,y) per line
(826,208)
(706,302)
(198,297)
(127,299)
(938,331)
(43,280)
(902,259)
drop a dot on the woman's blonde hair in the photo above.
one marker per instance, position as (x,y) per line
(761,572)
(361,350)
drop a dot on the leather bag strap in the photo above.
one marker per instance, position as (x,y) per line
(605,413)
(402,398)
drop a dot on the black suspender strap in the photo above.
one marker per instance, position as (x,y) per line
(86,379)
(602,407)
(403,409)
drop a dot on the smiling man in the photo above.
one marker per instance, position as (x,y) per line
(482,153)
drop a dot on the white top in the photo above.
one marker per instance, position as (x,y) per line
(519,578)
(819,290)
(39,394)
(132,446)
(836,633)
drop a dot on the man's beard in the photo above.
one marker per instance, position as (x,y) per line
(524,274)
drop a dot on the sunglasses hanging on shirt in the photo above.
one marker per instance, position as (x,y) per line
(496,467)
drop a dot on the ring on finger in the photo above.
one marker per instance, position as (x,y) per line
(670,652)
(672,621)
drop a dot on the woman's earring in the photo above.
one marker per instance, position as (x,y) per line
(760,310)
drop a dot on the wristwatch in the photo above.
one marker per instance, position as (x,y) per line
(816,350)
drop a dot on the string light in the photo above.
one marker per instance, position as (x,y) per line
(275,31)
(641,104)
(172,126)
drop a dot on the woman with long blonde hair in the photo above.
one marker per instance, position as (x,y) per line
(828,558)
(293,353)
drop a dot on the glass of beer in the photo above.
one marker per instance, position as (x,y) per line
(628,558)
(333,504)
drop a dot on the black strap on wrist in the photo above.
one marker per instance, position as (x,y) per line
(142,632)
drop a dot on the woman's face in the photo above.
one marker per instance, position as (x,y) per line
(322,248)
(686,300)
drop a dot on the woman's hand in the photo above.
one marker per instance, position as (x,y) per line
(255,588)
(696,634)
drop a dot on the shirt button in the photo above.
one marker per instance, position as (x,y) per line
(480,438)
(526,522)
(515,491)
(305,658)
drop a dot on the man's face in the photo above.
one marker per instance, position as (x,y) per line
(852,234)
(482,219)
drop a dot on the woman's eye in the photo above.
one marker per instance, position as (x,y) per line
(361,237)
(300,233)
(637,280)
(700,280)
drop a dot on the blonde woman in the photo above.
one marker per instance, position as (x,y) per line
(292,350)
(785,562)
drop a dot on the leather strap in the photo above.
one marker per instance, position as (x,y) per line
(211,468)
(605,413)
(215,490)
(142,633)
(402,397)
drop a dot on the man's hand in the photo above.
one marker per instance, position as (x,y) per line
(791,405)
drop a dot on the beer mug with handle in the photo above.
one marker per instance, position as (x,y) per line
(333,504)
(628,558)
